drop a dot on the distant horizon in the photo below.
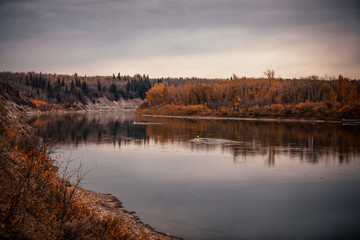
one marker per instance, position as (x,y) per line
(182,38)
(323,77)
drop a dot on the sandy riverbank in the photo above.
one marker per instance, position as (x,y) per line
(107,205)
(248,119)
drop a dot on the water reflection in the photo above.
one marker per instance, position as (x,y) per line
(90,128)
(311,143)
(306,141)
(215,186)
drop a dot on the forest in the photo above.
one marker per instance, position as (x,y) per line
(43,91)
(69,90)
(309,97)
(269,96)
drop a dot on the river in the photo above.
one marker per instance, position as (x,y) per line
(218,179)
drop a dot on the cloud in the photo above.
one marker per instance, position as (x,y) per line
(41,33)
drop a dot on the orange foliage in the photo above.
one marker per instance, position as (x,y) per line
(220,79)
(38,103)
(157,94)
(309,98)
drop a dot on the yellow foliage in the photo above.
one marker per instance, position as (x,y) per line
(220,79)
(38,103)
(158,94)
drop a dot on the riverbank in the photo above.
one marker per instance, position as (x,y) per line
(39,201)
(304,112)
(340,121)
(96,105)
(242,119)
(107,205)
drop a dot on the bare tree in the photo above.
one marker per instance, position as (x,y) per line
(270,74)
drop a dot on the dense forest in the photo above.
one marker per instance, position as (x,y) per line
(310,97)
(67,91)
(264,97)
(71,89)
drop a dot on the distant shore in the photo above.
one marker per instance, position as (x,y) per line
(99,105)
(262,119)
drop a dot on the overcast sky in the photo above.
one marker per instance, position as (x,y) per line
(181,38)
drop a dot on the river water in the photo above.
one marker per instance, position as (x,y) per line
(219,179)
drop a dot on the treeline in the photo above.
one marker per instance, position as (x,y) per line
(72,89)
(248,97)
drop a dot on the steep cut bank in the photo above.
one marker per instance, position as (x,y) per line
(38,200)
(23,104)
(104,104)
(56,92)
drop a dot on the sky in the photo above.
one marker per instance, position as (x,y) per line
(181,38)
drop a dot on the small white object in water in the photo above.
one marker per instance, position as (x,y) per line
(214,141)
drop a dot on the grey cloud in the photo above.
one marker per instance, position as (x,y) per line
(114,29)
(21,18)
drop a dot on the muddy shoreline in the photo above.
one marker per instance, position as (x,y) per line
(107,205)
(339,121)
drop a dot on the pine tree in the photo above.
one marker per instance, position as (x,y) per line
(84,87)
(113,88)
(72,86)
(49,89)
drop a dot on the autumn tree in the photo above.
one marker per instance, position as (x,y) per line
(157,94)
(353,95)
(269,74)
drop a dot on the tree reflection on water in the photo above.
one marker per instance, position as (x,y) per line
(308,142)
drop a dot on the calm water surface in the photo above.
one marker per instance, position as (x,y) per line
(238,180)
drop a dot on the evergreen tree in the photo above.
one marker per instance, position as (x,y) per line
(72,86)
(49,89)
(113,88)
(84,87)
(128,86)
(77,82)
